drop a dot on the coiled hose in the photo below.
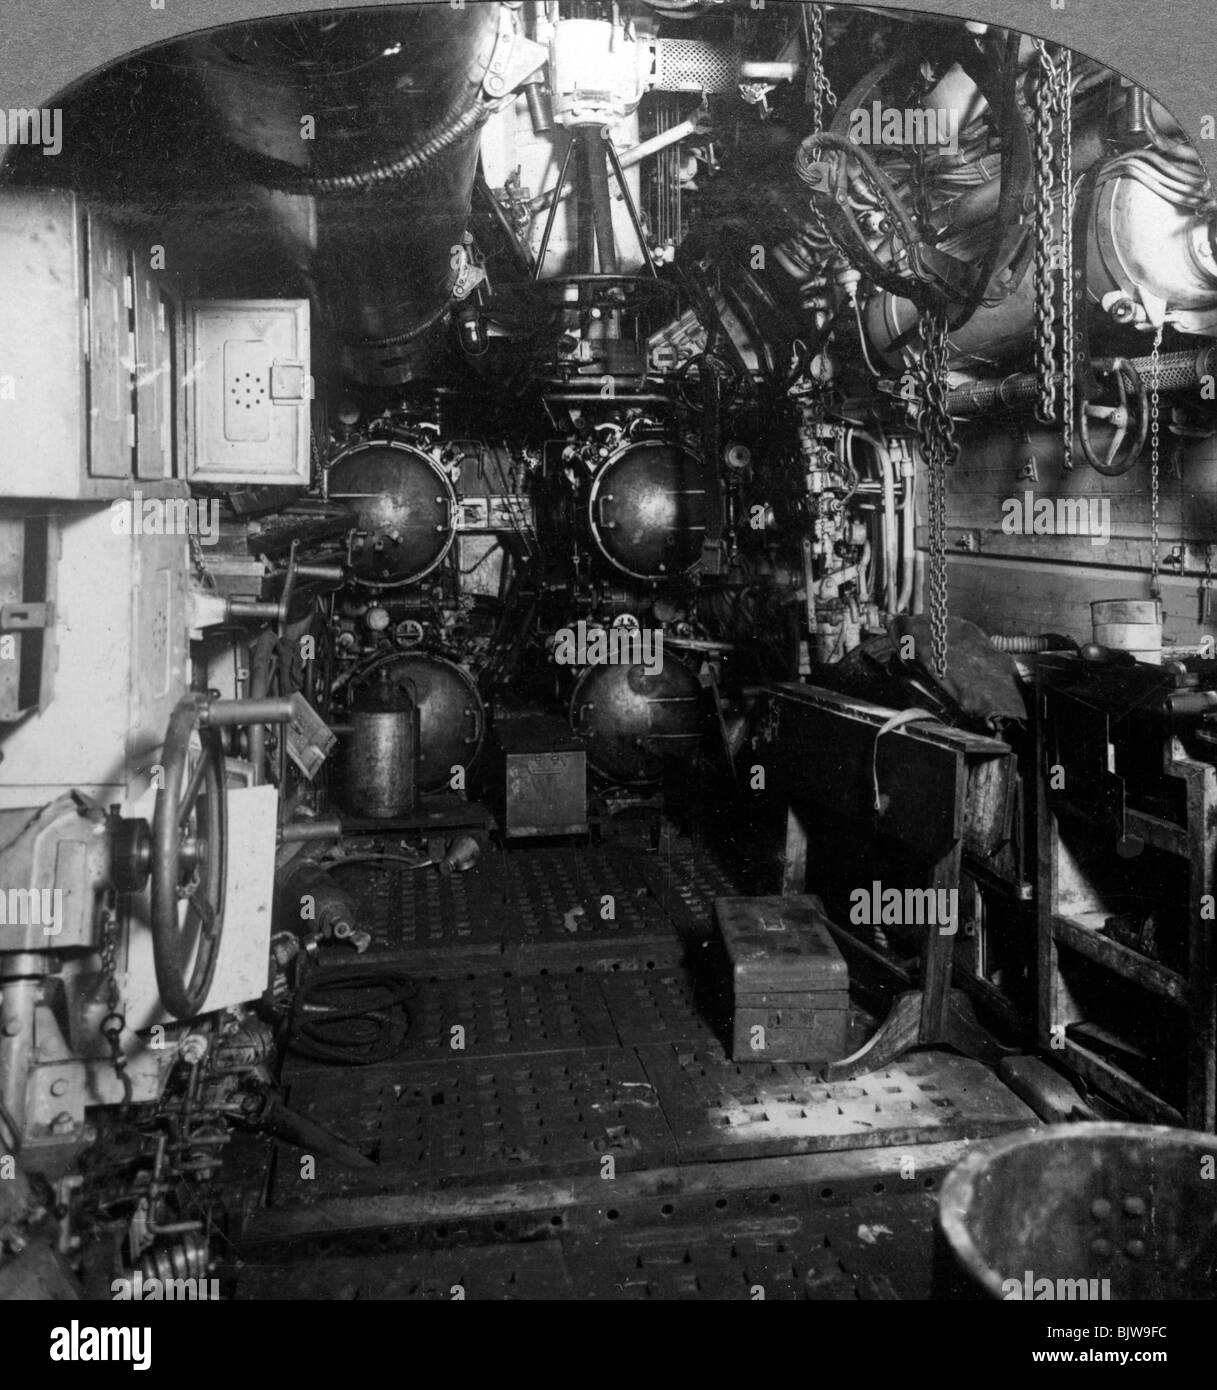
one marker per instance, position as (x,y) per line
(351,1017)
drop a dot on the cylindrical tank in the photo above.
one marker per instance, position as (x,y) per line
(381,760)
(452,718)
(647,509)
(367,207)
(406,508)
(633,722)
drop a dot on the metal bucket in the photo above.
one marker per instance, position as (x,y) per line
(1129,625)
(1093,1211)
(380,764)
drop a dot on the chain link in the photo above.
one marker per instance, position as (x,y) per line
(819,92)
(1068,339)
(939,449)
(1155,381)
(1046,93)
(114,1022)
(819,89)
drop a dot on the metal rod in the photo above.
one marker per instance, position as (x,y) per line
(635,221)
(595,161)
(634,155)
(553,211)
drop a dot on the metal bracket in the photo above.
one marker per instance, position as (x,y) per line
(512,59)
(18,617)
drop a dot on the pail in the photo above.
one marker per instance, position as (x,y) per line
(1129,625)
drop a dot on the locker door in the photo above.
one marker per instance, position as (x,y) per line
(247,391)
(111,418)
(153,378)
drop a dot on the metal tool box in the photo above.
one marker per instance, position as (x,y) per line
(538,776)
(790,981)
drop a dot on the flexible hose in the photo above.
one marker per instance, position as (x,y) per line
(351,1017)
(1020,644)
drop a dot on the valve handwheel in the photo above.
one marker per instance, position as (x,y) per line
(1116,459)
(688,380)
(188,863)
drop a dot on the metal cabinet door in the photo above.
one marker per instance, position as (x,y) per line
(247,391)
(153,376)
(111,414)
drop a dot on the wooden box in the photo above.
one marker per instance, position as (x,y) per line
(790,982)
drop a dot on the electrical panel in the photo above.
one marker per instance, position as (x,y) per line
(247,391)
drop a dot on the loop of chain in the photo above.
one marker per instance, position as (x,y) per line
(1046,103)
(1155,380)
(1068,340)
(939,449)
(114,1022)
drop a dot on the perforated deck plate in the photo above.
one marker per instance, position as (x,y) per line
(719,1109)
(566,892)
(657,1006)
(408,909)
(496,1016)
(495,1118)
(532,1272)
(712,1262)
(502,1017)
(530,908)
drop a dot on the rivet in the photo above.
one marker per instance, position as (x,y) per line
(1099,1246)
(1100,1208)
(1135,1249)
(1134,1206)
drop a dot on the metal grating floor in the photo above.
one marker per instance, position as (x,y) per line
(871,1247)
(546,1041)
(481,1118)
(521,901)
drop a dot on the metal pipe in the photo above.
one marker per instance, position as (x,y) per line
(222,714)
(538,108)
(1177,370)
(750,71)
(595,159)
(626,397)
(310,830)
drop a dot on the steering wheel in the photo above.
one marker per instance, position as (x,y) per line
(1116,460)
(689,375)
(189,863)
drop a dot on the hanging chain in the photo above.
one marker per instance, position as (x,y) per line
(819,89)
(114,1022)
(1068,341)
(1046,103)
(819,94)
(939,449)
(1155,380)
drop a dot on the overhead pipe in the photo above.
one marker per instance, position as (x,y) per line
(1176,372)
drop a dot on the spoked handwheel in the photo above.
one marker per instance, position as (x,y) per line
(188,863)
(1128,426)
(690,380)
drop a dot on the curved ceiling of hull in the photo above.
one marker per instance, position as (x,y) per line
(259,157)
